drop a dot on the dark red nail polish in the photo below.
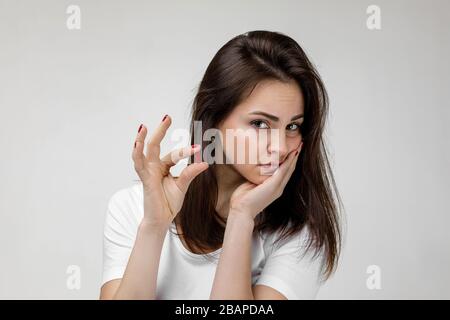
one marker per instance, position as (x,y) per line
(164,118)
(197,157)
(194,145)
(135,144)
(140,127)
(296,152)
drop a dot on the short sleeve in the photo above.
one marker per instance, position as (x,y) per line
(120,228)
(292,270)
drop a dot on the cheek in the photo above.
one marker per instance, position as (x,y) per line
(295,142)
(243,149)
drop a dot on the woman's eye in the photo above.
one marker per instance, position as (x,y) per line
(259,124)
(297,126)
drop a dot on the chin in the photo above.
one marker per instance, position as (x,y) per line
(261,175)
(253,173)
(260,178)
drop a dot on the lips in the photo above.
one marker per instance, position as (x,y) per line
(269,165)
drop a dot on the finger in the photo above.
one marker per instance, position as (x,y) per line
(154,143)
(189,173)
(292,166)
(276,183)
(138,149)
(173,157)
(290,161)
(284,167)
(271,185)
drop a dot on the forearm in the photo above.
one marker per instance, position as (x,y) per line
(232,279)
(139,280)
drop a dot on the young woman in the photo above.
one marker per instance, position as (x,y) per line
(233,230)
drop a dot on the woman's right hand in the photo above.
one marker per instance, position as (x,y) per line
(163,193)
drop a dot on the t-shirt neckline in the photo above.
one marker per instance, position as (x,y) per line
(184,250)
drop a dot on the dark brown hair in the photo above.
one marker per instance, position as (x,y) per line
(308,198)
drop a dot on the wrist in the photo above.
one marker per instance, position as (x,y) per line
(150,227)
(240,217)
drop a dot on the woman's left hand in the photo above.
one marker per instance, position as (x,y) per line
(250,199)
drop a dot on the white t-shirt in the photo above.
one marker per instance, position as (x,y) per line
(185,275)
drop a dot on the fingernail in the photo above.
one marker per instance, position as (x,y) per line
(140,127)
(164,118)
(135,144)
(197,157)
(296,152)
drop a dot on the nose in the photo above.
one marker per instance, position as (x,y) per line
(278,146)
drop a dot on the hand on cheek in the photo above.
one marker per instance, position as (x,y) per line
(250,199)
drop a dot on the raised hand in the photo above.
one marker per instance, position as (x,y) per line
(250,199)
(163,193)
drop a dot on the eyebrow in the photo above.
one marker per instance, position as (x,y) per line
(274,118)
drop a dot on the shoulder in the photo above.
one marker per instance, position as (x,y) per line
(128,193)
(273,241)
(296,246)
(290,266)
(125,205)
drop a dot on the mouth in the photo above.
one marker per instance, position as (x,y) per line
(270,165)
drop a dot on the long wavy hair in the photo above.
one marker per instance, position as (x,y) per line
(310,198)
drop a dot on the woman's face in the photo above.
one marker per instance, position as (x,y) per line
(264,128)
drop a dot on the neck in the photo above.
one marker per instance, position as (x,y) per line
(228,179)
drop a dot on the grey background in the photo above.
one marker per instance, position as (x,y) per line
(71,103)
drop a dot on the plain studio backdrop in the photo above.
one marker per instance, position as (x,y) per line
(72,100)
